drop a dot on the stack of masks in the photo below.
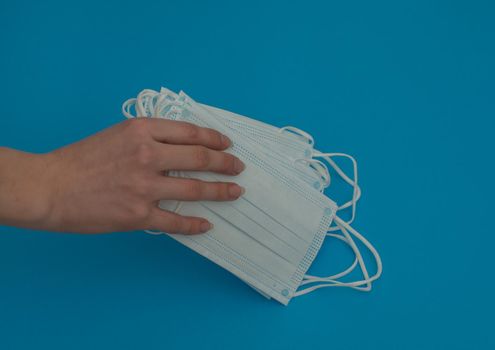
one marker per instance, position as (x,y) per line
(270,236)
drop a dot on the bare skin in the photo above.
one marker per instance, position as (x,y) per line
(113,180)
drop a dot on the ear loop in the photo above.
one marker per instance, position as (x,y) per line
(298,132)
(165,99)
(149,103)
(158,104)
(311,279)
(126,108)
(319,168)
(356,194)
(141,108)
(331,281)
(143,102)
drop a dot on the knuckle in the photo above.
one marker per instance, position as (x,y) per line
(221,191)
(215,137)
(139,211)
(186,226)
(194,189)
(191,131)
(194,226)
(141,187)
(220,140)
(174,225)
(144,154)
(137,127)
(201,157)
(226,191)
(229,163)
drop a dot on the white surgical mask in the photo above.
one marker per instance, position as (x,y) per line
(270,236)
(288,146)
(293,142)
(309,170)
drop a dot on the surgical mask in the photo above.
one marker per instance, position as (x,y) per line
(291,141)
(309,170)
(270,236)
(288,146)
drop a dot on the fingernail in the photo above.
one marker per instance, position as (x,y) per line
(236,191)
(205,226)
(238,166)
(226,141)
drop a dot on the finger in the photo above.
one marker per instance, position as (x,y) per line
(199,158)
(195,190)
(183,133)
(162,220)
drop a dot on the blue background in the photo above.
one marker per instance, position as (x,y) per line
(406,87)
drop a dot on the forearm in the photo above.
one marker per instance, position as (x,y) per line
(114,179)
(24,194)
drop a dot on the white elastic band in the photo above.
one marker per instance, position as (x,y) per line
(142,102)
(148,103)
(159,105)
(310,279)
(356,193)
(319,167)
(358,285)
(303,134)
(126,108)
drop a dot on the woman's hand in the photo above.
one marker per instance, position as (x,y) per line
(113,180)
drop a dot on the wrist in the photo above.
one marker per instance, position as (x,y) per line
(25,189)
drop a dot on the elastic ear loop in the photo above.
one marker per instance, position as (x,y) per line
(142,102)
(158,105)
(301,133)
(310,279)
(126,108)
(332,281)
(161,101)
(140,109)
(354,285)
(155,105)
(356,195)
(320,168)
(150,103)
(354,183)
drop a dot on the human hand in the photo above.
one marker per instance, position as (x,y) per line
(113,180)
